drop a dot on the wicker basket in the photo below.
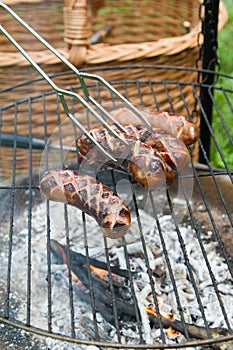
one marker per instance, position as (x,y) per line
(143,32)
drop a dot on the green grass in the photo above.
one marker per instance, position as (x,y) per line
(224,103)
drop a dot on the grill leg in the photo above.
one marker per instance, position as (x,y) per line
(209,60)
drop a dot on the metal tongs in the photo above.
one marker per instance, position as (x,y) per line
(88,102)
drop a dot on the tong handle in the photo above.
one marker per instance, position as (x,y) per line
(27,142)
(21,141)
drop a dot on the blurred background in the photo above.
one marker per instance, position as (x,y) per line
(225,54)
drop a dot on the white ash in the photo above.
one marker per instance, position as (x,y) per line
(163,285)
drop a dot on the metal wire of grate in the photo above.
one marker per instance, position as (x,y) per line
(199,200)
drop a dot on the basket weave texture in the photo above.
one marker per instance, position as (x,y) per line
(162,32)
(139,32)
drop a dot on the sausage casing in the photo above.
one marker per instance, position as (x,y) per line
(154,158)
(147,167)
(89,195)
(171,148)
(175,124)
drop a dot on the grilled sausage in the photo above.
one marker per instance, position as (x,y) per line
(147,167)
(140,160)
(92,197)
(177,125)
(172,149)
(161,152)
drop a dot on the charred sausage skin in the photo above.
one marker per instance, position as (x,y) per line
(151,162)
(89,195)
(175,124)
(154,159)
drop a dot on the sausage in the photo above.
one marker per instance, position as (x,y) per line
(177,125)
(141,161)
(161,152)
(172,149)
(89,195)
(146,167)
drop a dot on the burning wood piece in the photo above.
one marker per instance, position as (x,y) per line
(198,332)
(126,309)
(78,258)
(79,268)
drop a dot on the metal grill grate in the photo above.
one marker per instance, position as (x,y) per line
(200,201)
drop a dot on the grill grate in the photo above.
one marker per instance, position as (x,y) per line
(200,198)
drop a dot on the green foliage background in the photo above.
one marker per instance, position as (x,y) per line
(225,55)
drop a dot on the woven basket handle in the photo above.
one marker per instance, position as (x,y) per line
(76,29)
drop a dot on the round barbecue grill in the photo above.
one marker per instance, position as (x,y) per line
(167,284)
(180,245)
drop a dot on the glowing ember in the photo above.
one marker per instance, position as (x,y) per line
(103,274)
(150,310)
(170,331)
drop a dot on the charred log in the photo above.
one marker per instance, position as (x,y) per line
(194,331)
(99,284)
